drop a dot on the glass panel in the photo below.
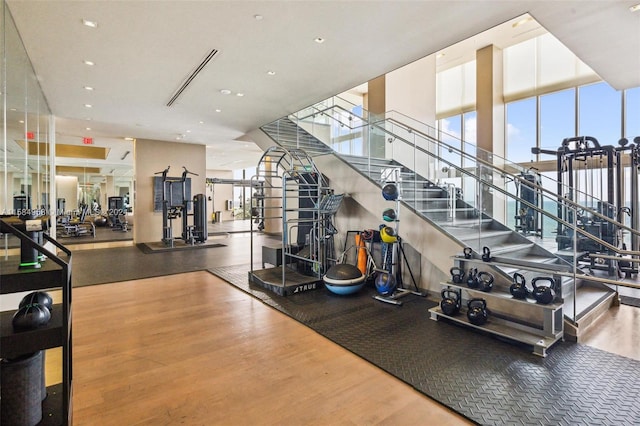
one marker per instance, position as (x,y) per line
(600,113)
(24,169)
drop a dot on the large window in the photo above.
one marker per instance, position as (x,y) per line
(632,118)
(600,113)
(557,119)
(521,130)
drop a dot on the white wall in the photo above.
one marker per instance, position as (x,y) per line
(67,188)
(411,90)
(150,157)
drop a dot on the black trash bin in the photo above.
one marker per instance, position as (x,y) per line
(21,390)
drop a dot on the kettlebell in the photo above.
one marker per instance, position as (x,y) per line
(543,294)
(486,254)
(457,275)
(472,278)
(519,288)
(450,303)
(485,281)
(477,311)
(30,317)
(468,252)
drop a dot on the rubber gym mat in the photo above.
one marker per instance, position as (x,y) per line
(485,379)
(160,247)
(631,301)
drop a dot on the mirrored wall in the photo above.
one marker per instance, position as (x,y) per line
(24,150)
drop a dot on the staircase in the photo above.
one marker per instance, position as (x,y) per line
(442,207)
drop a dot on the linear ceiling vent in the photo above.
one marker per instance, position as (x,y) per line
(191,76)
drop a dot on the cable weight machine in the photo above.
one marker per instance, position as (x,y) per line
(176,204)
(586,168)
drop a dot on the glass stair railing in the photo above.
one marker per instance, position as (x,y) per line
(463,191)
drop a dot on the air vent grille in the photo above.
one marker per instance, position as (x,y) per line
(191,76)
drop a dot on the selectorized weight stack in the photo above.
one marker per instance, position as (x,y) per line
(176,204)
(578,160)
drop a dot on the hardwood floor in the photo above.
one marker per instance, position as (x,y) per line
(192,349)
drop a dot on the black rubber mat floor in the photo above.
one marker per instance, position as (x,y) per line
(487,380)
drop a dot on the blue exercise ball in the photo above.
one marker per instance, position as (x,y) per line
(390,192)
(343,278)
(385,283)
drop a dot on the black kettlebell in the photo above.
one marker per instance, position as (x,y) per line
(485,281)
(468,252)
(42,298)
(543,294)
(477,311)
(472,278)
(457,275)
(450,303)
(519,287)
(30,317)
(486,254)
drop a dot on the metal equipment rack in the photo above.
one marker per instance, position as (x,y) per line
(296,201)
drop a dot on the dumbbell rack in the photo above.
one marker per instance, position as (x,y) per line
(521,320)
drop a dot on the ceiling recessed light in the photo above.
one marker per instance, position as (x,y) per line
(88,23)
(258,17)
(128,139)
(87,128)
(89,88)
(271,72)
(201,122)
(88,106)
(188,131)
(635,8)
(90,63)
(522,22)
(319,40)
(21,121)
(225,91)
(240,94)
(218,110)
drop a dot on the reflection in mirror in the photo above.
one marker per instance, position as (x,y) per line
(24,165)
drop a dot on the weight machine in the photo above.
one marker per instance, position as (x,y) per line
(529,221)
(578,160)
(175,204)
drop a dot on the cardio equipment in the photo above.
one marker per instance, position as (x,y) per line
(176,204)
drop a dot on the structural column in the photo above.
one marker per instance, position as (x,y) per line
(490,123)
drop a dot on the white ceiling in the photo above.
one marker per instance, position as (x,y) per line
(143,51)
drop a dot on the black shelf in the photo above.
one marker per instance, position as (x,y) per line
(14,279)
(54,273)
(15,343)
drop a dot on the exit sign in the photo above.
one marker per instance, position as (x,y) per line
(87,141)
(30,135)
